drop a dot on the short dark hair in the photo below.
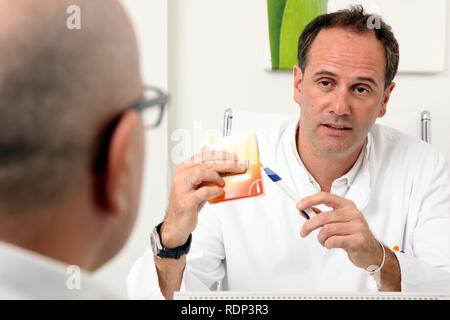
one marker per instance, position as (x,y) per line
(355,19)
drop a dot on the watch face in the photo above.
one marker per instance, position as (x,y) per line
(154,241)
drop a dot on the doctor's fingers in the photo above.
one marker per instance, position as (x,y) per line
(211,156)
(326,198)
(324,218)
(209,173)
(191,203)
(339,229)
(200,196)
(226,167)
(345,242)
(192,178)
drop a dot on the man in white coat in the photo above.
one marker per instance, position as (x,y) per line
(382,198)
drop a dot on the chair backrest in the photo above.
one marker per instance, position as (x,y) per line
(239,120)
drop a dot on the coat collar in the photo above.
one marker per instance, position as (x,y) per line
(357,178)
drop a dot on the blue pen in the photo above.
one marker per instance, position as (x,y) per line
(308,213)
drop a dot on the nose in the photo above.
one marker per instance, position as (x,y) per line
(340,104)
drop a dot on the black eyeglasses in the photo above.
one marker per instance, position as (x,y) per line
(151,106)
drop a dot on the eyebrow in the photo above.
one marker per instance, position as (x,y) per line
(331,74)
(324,73)
(368,79)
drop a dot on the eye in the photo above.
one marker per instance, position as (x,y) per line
(361,90)
(325,83)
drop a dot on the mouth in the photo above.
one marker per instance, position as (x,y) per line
(338,127)
(336,130)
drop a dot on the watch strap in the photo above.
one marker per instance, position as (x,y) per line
(174,253)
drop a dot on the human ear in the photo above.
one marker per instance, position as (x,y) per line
(298,77)
(387,95)
(119,163)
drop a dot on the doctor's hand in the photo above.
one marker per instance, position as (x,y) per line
(195,181)
(344,227)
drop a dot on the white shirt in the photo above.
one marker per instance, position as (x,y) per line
(27,275)
(401,185)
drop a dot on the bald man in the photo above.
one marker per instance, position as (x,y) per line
(71,148)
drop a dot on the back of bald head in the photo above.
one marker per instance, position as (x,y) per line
(59,90)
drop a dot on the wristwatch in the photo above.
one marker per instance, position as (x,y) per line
(160,251)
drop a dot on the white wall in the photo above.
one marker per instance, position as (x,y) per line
(216,60)
(403,18)
(150,20)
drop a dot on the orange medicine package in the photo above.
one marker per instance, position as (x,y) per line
(249,183)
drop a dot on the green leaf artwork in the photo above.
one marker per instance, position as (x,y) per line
(287,19)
